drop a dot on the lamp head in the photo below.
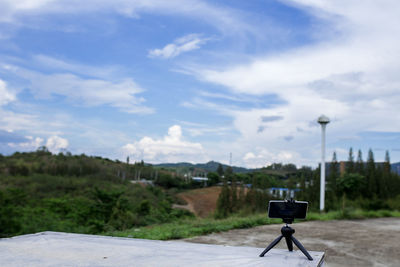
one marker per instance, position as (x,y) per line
(323,119)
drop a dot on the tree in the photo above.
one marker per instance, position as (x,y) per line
(9,213)
(228,171)
(213,178)
(386,164)
(351,184)
(242,197)
(223,202)
(234,196)
(385,177)
(372,185)
(289,167)
(332,192)
(350,162)
(333,173)
(220,170)
(359,166)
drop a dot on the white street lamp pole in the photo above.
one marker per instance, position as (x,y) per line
(323,120)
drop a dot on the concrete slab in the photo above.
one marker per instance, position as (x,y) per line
(65,249)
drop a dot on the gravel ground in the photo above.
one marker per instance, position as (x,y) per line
(372,242)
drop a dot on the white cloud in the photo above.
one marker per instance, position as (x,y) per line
(353,78)
(55,64)
(31,144)
(223,18)
(264,158)
(184,44)
(230,97)
(55,144)
(5,95)
(170,148)
(10,8)
(85,91)
(199,131)
(11,121)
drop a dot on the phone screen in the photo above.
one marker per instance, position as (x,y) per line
(285,209)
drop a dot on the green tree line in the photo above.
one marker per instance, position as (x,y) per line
(44,192)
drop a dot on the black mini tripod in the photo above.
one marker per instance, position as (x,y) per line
(286,211)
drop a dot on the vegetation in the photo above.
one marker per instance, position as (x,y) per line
(194,227)
(357,185)
(366,185)
(40,191)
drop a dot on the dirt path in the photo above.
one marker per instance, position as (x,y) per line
(201,201)
(188,206)
(372,242)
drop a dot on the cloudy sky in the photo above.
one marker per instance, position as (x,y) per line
(193,80)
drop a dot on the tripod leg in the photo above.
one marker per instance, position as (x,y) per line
(289,243)
(273,244)
(300,246)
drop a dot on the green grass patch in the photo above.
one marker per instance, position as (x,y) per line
(195,227)
(351,214)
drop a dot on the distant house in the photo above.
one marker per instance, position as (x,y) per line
(200,180)
(143,182)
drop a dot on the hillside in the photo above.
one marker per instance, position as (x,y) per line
(40,191)
(210,166)
(202,202)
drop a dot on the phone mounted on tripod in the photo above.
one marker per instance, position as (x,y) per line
(287,210)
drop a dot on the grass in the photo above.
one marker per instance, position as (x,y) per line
(194,227)
(351,214)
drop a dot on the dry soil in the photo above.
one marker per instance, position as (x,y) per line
(372,242)
(201,202)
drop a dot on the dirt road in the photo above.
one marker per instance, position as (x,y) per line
(372,242)
(202,201)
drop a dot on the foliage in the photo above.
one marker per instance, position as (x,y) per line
(231,200)
(40,191)
(213,178)
(369,186)
(76,194)
(351,184)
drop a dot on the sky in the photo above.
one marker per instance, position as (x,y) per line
(196,80)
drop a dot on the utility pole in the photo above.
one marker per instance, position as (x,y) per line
(323,120)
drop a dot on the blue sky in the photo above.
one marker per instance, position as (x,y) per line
(191,80)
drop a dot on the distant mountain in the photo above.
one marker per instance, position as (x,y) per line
(395,167)
(210,166)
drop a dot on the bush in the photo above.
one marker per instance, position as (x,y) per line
(9,214)
(394,203)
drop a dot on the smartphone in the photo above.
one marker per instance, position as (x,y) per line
(287,209)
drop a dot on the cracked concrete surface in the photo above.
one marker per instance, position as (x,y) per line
(75,250)
(372,242)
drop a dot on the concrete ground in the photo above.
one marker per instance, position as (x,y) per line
(50,249)
(372,242)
